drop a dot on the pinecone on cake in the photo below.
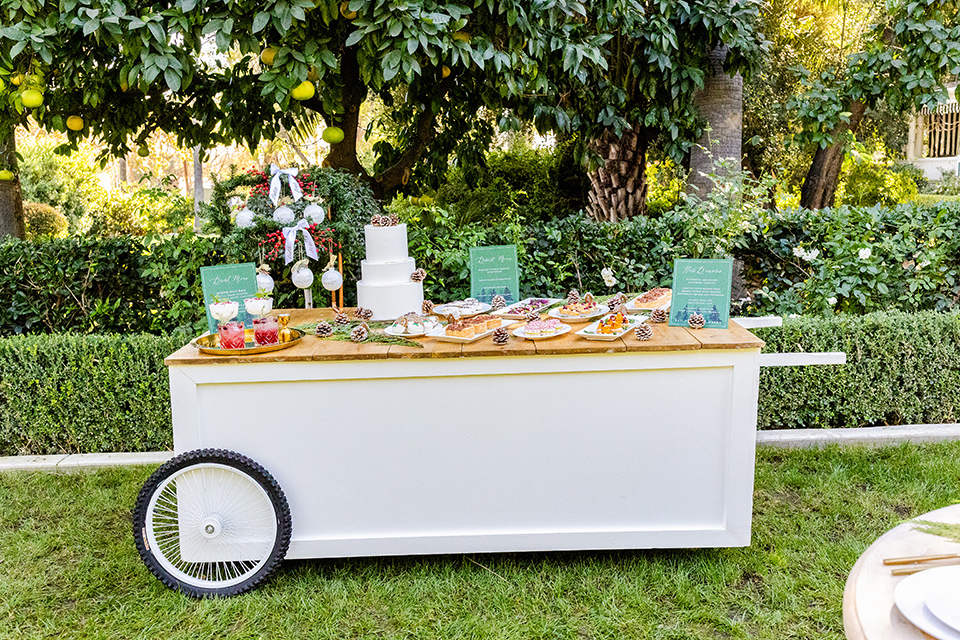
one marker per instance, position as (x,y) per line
(644,332)
(340,318)
(324,330)
(500,336)
(573,297)
(697,321)
(363,314)
(360,333)
(658,316)
(498,302)
(418,275)
(427,307)
(532,316)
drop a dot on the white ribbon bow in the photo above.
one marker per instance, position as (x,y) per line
(290,240)
(276,185)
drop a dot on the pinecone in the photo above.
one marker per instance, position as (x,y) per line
(427,307)
(418,275)
(697,321)
(644,332)
(618,299)
(500,336)
(532,316)
(376,220)
(498,302)
(340,318)
(659,316)
(573,297)
(391,220)
(324,329)
(360,333)
(363,314)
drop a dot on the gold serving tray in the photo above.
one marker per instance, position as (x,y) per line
(211,344)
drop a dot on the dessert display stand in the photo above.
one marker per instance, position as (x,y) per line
(344,449)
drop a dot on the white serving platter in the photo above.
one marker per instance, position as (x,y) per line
(441,336)
(506,311)
(911,597)
(945,605)
(601,310)
(521,332)
(444,309)
(590,331)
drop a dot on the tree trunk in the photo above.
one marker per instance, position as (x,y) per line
(820,186)
(11,197)
(618,189)
(122,168)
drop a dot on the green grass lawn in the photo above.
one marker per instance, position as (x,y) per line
(68,568)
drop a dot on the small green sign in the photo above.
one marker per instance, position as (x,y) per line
(701,286)
(494,271)
(234,282)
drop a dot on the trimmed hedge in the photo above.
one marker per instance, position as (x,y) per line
(76,394)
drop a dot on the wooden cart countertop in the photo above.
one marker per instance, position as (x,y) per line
(312,349)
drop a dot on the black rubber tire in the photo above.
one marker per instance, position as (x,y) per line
(241,463)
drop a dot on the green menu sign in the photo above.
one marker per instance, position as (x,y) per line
(701,286)
(234,282)
(494,271)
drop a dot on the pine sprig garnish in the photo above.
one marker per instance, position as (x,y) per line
(342,333)
(948,530)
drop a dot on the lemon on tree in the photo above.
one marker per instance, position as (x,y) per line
(445,71)
(267,56)
(6,175)
(332,135)
(303,91)
(16,79)
(143,151)
(31,98)
(75,123)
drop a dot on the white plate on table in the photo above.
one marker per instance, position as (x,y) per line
(444,309)
(521,332)
(945,605)
(590,331)
(390,331)
(912,594)
(506,311)
(601,310)
(440,334)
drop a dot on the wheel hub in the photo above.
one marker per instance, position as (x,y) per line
(211,527)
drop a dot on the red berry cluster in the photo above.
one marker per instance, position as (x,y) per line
(274,242)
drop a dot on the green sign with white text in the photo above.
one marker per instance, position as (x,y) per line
(233,282)
(494,271)
(701,286)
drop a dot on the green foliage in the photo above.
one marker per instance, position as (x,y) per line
(65,393)
(665,182)
(137,212)
(865,182)
(949,184)
(901,369)
(43,221)
(914,173)
(69,183)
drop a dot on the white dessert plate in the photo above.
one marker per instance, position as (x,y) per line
(440,334)
(912,593)
(590,332)
(945,604)
(390,331)
(521,332)
(508,312)
(630,307)
(600,310)
(443,309)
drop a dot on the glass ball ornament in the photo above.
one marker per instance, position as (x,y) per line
(331,280)
(265,282)
(303,278)
(245,218)
(284,215)
(314,213)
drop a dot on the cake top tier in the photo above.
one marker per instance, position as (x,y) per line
(385,244)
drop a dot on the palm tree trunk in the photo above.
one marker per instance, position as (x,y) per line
(11,197)
(618,189)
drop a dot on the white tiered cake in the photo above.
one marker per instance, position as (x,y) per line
(385,286)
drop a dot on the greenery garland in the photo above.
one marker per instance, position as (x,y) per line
(342,333)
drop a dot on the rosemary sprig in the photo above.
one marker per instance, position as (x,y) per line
(948,530)
(342,333)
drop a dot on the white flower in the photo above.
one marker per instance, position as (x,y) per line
(608,278)
(832,301)
(925,263)
(865,253)
(800,252)
(812,255)
(803,254)
(245,219)
(284,215)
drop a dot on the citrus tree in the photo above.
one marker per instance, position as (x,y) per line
(908,54)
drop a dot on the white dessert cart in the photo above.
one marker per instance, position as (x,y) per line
(335,449)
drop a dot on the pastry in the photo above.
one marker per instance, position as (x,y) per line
(653,298)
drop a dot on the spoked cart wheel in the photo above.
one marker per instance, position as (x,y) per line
(211,522)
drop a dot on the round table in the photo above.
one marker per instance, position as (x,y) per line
(869,612)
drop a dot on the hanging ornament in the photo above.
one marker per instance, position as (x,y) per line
(302,275)
(283,215)
(314,213)
(331,280)
(264,280)
(245,218)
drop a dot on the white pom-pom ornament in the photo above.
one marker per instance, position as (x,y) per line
(303,278)
(283,215)
(331,280)
(245,218)
(314,213)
